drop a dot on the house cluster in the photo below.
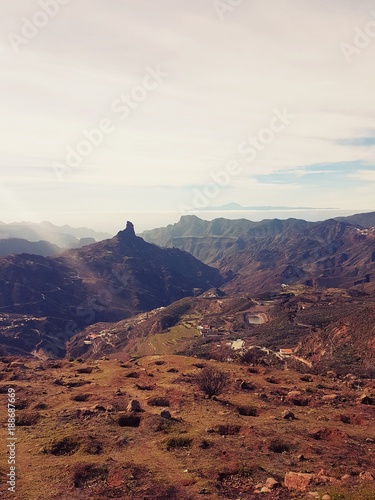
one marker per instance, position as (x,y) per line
(209,330)
(92,336)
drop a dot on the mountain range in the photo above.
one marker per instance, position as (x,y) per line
(61,236)
(263,255)
(49,302)
(105,281)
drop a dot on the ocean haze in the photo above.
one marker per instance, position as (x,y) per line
(114,222)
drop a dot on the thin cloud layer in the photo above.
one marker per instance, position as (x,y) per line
(220,75)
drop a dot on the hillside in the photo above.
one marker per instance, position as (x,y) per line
(17,245)
(105,281)
(265,254)
(365,220)
(344,346)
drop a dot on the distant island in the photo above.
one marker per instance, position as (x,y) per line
(236,206)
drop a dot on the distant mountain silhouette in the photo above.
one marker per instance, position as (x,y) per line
(16,245)
(365,220)
(62,236)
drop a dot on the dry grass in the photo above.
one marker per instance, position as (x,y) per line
(78,448)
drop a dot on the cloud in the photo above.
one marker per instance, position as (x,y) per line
(225,79)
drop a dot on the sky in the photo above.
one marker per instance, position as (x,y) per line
(115,110)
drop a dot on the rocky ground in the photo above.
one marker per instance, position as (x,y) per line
(144,430)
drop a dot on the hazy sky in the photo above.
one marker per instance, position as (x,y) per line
(278,93)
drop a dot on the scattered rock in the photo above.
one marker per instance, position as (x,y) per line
(297,398)
(366,476)
(366,400)
(247,386)
(271,483)
(99,408)
(288,415)
(298,481)
(330,397)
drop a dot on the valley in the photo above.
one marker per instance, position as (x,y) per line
(105,346)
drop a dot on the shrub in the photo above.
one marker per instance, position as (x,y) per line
(129,421)
(212,381)
(80,397)
(178,443)
(27,419)
(228,429)
(89,475)
(87,369)
(278,446)
(248,411)
(158,401)
(65,446)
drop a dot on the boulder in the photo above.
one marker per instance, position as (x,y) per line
(366,400)
(298,481)
(264,489)
(288,415)
(271,483)
(297,398)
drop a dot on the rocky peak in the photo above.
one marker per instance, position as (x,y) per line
(128,232)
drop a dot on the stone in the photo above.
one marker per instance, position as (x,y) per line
(366,400)
(297,398)
(326,497)
(134,406)
(271,483)
(366,476)
(329,397)
(297,481)
(288,415)
(98,408)
(265,490)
